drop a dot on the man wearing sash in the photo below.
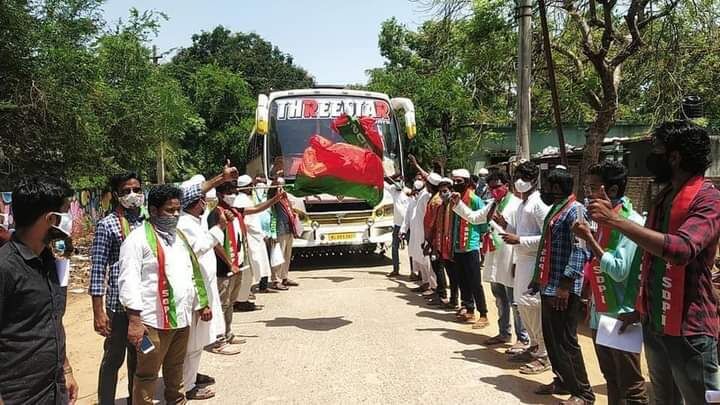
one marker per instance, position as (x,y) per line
(559,279)
(202,241)
(161,285)
(110,319)
(466,254)
(610,266)
(499,267)
(438,236)
(673,277)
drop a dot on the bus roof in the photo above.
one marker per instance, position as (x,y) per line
(328,92)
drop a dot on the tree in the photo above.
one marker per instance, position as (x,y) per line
(226,107)
(265,67)
(608,35)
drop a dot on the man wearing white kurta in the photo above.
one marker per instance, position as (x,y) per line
(257,250)
(394,187)
(202,241)
(414,227)
(499,263)
(141,276)
(525,235)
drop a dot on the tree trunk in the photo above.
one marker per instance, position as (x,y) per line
(594,137)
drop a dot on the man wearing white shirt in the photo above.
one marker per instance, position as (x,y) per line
(161,286)
(413,226)
(499,264)
(202,241)
(397,191)
(257,250)
(525,235)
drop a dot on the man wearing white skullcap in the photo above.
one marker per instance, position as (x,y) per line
(466,248)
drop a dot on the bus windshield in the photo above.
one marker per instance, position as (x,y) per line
(293,120)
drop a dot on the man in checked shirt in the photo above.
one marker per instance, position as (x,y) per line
(110,319)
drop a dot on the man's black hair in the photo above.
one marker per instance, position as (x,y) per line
(688,139)
(611,173)
(562,178)
(117,180)
(226,188)
(497,175)
(36,196)
(161,194)
(528,170)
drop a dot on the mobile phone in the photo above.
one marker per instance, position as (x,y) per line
(146,346)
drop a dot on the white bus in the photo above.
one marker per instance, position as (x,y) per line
(286,120)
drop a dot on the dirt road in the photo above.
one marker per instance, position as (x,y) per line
(347,335)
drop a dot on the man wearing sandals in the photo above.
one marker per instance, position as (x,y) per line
(613,254)
(466,254)
(202,241)
(524,234)
(559,279)
(499,268)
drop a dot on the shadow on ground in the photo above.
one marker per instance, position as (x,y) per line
(311,324)
(334,279)
(521,388)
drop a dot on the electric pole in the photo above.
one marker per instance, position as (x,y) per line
(523,118)
(161,146)
(524,78)
(552,81)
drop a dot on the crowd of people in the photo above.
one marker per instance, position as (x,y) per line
(553,262)
(169,273)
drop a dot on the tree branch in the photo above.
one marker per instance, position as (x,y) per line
(664,13)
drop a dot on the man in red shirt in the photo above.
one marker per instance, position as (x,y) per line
(673,280)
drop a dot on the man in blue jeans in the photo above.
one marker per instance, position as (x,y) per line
(395,187)
(677,305)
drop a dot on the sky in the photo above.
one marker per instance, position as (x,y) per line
(335,41)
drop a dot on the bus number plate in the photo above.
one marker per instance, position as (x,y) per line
(341,236)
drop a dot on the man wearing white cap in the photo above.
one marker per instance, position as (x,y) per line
(202,241)
(466,249)
(257,251)
(395,188)
(413,225)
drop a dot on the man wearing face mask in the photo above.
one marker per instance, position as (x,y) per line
(559,279)
(35,369)
(676,302)
(438,237)
(499,268)
(613,254)
(413,226)
(161,285)
(250,214)
(396,188)
(110,319)
(524,234)
(203,332)
(466,257)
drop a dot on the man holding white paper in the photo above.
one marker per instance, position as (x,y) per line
(613,254)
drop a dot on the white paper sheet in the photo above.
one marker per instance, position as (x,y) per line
(607,335)
(63,271)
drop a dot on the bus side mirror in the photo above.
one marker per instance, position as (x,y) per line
(406,105)
(261,115)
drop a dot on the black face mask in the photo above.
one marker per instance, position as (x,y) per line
(659,166)
(459,187)
(547,198)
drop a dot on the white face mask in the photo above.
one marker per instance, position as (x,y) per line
(65,225)
(132,200)
(229,199)
(522,186)
(419,184)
